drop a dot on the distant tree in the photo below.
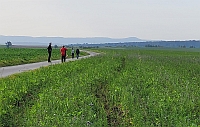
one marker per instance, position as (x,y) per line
(182,46)
(8,44)
(192,46)
(55,46)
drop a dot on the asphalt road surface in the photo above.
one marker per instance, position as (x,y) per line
(9,70)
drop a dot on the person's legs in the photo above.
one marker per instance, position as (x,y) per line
(49,57)
(64,58)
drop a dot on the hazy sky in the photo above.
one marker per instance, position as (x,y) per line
(145,19)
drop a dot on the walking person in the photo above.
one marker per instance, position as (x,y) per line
(77,53)
(49,49)
(72,53)
(63,52)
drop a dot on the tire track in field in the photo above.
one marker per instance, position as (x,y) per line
(114,113)
(10,118)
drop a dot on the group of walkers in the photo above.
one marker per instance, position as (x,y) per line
(63,51)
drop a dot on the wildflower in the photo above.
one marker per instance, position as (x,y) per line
(88,123)
(91,104)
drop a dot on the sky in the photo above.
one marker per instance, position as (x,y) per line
(144,19)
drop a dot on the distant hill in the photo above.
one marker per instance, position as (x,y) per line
(27,40)
(167,44)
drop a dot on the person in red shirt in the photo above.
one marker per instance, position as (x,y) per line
(63,51)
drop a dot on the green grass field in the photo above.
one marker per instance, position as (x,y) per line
(119,88)
(17,56)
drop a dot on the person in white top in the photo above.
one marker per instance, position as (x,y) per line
(72,53)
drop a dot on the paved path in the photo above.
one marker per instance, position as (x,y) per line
(9,70)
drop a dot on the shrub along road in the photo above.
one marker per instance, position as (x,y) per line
(6,71)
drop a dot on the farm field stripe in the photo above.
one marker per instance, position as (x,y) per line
(18,56)
(6,71)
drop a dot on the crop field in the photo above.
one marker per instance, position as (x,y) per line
(16,56)
(118,88)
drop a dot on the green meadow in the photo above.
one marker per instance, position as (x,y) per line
(136,87)
(17,56)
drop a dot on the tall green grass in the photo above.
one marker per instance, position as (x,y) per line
(122,87)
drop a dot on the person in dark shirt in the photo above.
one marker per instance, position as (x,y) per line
(49,49)
(77,53)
